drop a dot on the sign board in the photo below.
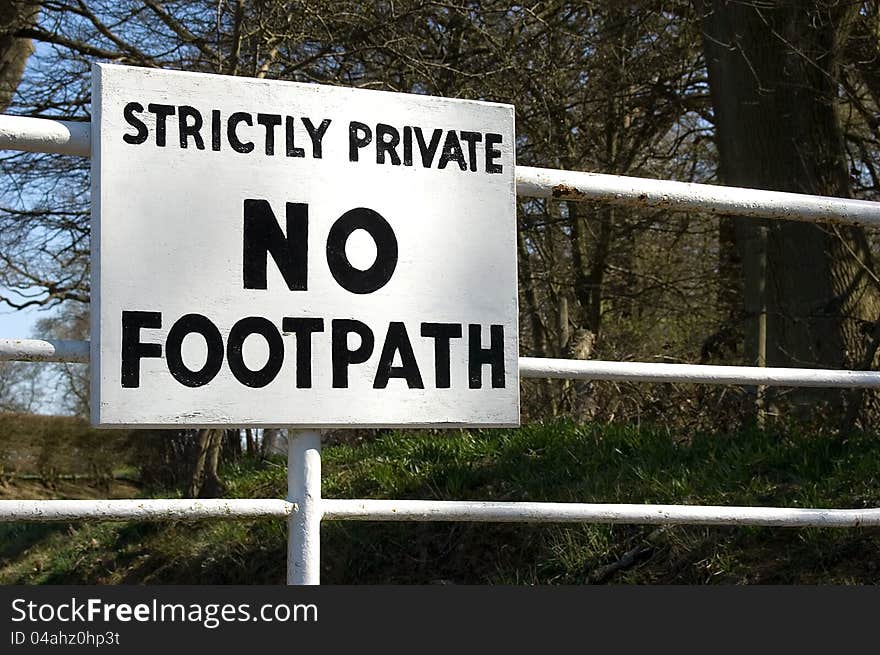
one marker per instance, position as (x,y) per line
(280,254)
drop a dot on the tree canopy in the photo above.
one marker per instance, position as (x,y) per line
(779,95)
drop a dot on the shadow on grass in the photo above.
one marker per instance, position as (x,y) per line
(554,462)
(18,537)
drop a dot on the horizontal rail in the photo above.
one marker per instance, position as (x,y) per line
(587,369)
(40,350)
(431,510)
(142,509)
(32,350)
(494,512)
(73,138)
(44,135)
(728,200)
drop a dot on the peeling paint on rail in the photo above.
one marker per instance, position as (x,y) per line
(715,199)
(44,350)
(142,510)
(522,512)
(430,510)
(45,135)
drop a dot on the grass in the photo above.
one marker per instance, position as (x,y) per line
(553,462)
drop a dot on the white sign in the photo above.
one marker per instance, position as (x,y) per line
(281,254)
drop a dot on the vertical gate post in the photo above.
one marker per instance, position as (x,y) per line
(304,523)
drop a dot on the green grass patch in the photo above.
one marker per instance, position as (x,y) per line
(550,462)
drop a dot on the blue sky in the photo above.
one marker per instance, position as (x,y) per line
(19,324)
(22,324)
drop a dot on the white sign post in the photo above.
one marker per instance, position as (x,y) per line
(280,254)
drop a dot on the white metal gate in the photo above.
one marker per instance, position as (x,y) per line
(304,508)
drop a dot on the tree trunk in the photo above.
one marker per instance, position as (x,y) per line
(589,270)
(14,51)
(212,486)
(205,480)
(528,285)
(773,73)
(273,442)
(590,260)
(231,450)
(726,343)
(195,481)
